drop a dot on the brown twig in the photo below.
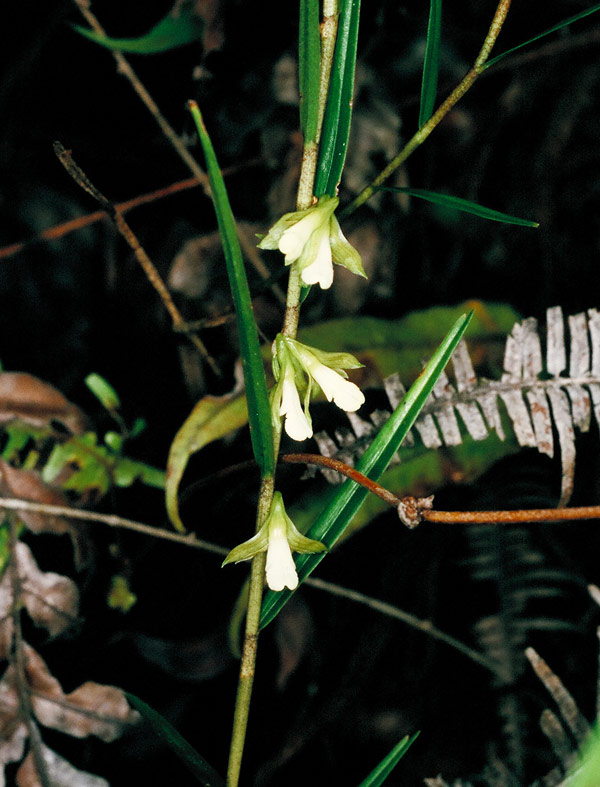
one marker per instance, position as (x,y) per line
(447,517)
(142,257)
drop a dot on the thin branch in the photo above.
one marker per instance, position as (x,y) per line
(142,257)
(399,614)
(112,521)
(127,71)
(191,541)
(437,117)
(447,517)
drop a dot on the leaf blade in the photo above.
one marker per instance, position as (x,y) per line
(254,374)
(169,33)
(380,773)
(193,761)
(553,29)
(467,206)
(431,65)
(337,515)
(338,111)
(309,64)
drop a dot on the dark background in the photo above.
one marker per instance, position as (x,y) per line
(523,141)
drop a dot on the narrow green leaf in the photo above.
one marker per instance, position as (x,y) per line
(431,65)
(193,761)
(103,391)
(171,32)
(338,111)
(309,66)
(457,203)
(336,517)
(553,29)
(254,374)
(389,762)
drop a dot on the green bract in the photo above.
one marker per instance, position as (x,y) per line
(278,536)
(312,239)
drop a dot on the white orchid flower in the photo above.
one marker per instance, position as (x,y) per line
(297,425)
(296,367)
(278,536)
(313,240)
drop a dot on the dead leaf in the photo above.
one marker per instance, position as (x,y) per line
(27,398)
(60,772)
(92,709)
(28,485)
(12,748)
(51,600)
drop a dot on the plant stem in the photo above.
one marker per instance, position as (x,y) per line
(290,328)
(440,113)
(248,661)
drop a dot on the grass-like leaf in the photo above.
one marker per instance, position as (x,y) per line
(431,66)
(553,29)
(171,32)
(309,65)
(337,515)
(259,411)
(193,761)
(379,774)
(457,203)
(338,111)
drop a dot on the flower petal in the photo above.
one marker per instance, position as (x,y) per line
(320,270)
(297,425)
(281,569)
(343,393)
(248,549)
(294,239)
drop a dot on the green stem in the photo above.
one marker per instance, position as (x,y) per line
(290,328)
(441,112)
(248,661)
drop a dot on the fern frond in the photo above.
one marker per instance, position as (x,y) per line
(540,395)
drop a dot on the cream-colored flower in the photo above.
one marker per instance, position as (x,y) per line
(278,536)
(297,425)
(313,240)
(296,367)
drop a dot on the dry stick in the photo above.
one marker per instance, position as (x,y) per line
(576,721)
(440,113)
(112,520)
(142,257)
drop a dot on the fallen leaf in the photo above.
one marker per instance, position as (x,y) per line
(27,398)
(52,600)
(28,485)
(92,709)
(60,772)
(12,748)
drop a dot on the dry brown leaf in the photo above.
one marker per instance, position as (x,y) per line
(28,485)
(51,600)
(60,772)
(12,749)
(92,709)
(27,398)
